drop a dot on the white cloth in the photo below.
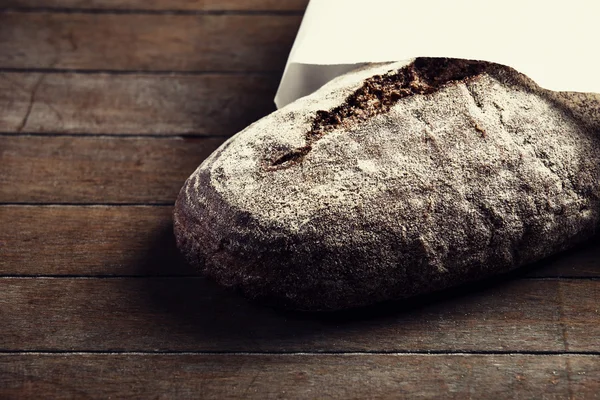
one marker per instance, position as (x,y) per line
(553,42)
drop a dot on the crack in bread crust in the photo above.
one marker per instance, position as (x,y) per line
(378,94)
(476,178)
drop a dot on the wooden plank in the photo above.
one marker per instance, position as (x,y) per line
(580,262)
(146,42)
(97,169)
(300,376)
(191,314)
(133,104)
(94,240)
(111,240)
(582,333)
(192,5)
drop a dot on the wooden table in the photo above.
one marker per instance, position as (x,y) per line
(106,106)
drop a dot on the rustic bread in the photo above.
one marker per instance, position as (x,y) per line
(395,180)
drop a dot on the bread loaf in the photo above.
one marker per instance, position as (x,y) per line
(395,180)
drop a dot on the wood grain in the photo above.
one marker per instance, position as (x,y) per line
(117,102)
(112,239)
(109,241)
(580,262)
(146,42)
(300,376)
(191,314)
(582,331)
(99,169)
(133,104)
(194,5)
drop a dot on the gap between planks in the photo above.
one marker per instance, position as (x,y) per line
(268,73)
(138,11)
(116,135)
(125,276)
(421,353)
(66,204)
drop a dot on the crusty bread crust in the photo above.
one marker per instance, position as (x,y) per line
(454,180)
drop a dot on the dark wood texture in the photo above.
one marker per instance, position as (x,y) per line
(146,42)
(106,106)
(99,169)
(301,376)
(581,262)
(192,5)
(191,314)
(213,104)
(110,241)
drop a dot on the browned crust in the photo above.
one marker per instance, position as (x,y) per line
(289,271)
(295,270)
(379,93)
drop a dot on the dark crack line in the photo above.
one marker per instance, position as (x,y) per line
(377,95)
(561,318)
(474,96)
(252,381)
(31,103)
(569,378)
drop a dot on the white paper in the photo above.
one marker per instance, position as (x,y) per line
(553,42)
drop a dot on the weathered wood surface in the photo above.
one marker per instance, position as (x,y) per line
(300,376)
(110,240)
(193,5)
(136,104)
(63,169)
(582,261)
(191,314)
(146,42)
(103,109)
